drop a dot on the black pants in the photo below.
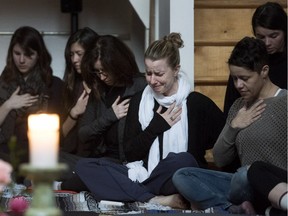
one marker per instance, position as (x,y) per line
(263,177)
(70,160)
(109,180)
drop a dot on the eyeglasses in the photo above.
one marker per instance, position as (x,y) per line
(100,72)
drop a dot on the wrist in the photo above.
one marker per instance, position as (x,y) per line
(6,105)
(233,125)
(73,116)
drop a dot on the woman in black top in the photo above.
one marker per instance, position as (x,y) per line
(76,93)
(27,86)
(110,70)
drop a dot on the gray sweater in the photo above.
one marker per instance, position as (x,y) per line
(264,140)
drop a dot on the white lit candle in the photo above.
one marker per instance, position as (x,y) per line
(43,134)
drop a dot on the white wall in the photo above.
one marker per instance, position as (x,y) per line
(104,16)
(178,16)
(115,17)
(182,20)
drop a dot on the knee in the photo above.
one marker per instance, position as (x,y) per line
(185,159)
(253,171)
(82,164)
(240,188)
(182,173)
(178,176)
(258,165)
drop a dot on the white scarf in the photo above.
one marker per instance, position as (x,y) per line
(176,138)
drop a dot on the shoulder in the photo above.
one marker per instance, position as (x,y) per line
(278,58)
(283,92)
(138,95)
(280,100)
(194,97)
(3,83)
(136,98)
(139,81)
(238,104)
(56,79)
(201,104)
(139,84)
(57,82)
(7,88)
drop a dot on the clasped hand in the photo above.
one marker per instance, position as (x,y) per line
(246,116)
(172,115)
(120,109)
(17,101)
(81,104)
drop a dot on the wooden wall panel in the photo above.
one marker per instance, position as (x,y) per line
(211,61)
(219,25)
(215,92)
(222,26)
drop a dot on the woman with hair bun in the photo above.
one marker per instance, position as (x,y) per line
(167,127)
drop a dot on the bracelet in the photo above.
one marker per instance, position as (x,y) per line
(279,203)
(73,118)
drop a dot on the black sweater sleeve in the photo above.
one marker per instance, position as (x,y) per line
(205,121)
(137,142)
(94,123)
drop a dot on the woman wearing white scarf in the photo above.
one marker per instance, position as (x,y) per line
(167,127)
(178,132)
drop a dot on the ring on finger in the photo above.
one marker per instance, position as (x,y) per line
(172,118)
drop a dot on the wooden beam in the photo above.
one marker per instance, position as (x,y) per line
(152,21)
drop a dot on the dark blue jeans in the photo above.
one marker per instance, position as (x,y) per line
(209,188)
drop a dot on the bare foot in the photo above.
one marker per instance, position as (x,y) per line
(245,208)
(174,201)
(194,206)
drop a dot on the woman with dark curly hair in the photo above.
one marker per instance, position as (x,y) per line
(110,70)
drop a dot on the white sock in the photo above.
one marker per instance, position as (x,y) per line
(57,185)
(267,211)
(283,202)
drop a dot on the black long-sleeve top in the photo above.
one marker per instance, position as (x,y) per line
(100,132)
(205,122)
(15,122)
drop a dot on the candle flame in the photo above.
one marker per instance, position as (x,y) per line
(43,121)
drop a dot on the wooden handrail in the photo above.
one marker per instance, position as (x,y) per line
(217,80)
(233,3)
(214,43)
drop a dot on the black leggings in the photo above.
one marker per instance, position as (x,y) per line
(263,177)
